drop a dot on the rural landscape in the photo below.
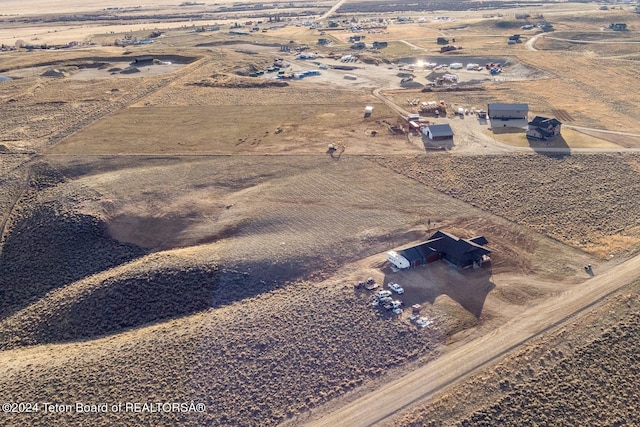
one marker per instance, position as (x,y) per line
(340,213)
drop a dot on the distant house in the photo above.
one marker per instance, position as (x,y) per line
(438,132)
(442,40)
(379,45)
(543,128)
(323,42)
(354,39)
(508,111)
(618,26)
(462,253)
(359,45)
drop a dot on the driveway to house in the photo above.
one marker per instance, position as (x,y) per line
(463,361)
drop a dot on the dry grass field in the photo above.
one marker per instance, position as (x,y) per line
(186,235)
(230,305)
(584,372)
(570,198)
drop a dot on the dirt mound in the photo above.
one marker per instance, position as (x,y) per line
(372,60)
(244,71)
(130,70)
(55,73)
(411,84)
(111,302)
(231,81)
(49,245)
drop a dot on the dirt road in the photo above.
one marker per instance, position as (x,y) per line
(330,11)
(452,367)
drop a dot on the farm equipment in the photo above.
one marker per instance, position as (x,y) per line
(370,284)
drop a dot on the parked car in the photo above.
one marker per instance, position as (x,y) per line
(396,288)
(383,294)
(384,301)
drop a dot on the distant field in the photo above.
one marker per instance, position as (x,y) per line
(32,7)
(214,130)
(569,198)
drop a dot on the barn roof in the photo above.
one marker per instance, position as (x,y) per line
(509,107)
(440,130)
(143,59)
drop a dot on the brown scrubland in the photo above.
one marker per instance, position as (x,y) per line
(194,234)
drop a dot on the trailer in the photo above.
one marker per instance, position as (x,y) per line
(368,110)
(398,260)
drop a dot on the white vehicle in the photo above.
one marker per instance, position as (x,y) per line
(398,260)
(384,301)
(424,322)
(383,294)
(397,311)
(396,288)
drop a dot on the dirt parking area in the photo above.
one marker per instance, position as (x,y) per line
(428,284)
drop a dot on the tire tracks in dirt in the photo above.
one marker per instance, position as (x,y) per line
(14,202)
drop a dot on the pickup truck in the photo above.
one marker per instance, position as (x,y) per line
(396,288)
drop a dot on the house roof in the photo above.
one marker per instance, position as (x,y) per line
(479,240)
(448,244)
(509,107)
(455,247)
(539,121)
(420,251)
(440,130)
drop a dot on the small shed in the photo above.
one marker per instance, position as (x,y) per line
(368,110)
(438,132)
